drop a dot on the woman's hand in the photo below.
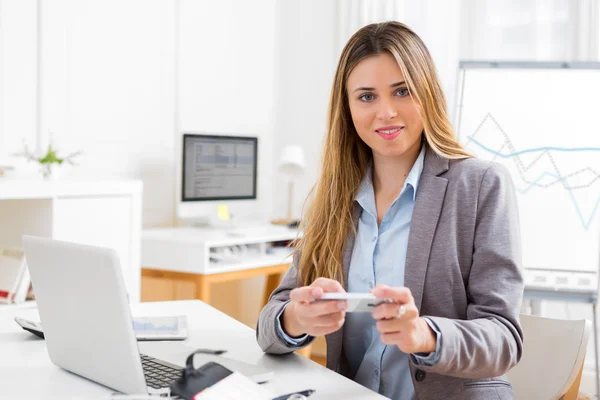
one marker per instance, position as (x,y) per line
(399,322)
(303,316)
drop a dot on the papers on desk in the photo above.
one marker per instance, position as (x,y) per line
(234,387)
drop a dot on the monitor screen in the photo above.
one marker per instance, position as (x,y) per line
(219,167)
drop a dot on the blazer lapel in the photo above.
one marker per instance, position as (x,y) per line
(426,213)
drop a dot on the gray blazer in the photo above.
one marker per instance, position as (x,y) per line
(463,269)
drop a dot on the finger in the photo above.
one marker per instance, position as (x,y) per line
(326,331)
(391,338)
(395,311)
(329,320)
(385,311)
(318,308)
(306,293)
(328,285)
(401,295)
(389,325)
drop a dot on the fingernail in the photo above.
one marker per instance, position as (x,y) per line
(342,305)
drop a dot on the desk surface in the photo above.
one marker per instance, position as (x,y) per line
(257,233)
(24,362)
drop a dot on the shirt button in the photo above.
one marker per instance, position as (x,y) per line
(420,375)
(374,239)
(376,372)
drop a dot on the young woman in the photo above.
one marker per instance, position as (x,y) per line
(403,211)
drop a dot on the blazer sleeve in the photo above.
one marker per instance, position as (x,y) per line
(267,333)
(490,341)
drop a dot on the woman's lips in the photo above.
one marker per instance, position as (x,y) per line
(390,132)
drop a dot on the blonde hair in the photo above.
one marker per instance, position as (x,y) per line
(328,220)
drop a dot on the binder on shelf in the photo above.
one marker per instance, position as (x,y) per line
(14,276)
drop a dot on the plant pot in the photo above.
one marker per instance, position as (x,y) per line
(51,172)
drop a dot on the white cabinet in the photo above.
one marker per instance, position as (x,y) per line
(106,214)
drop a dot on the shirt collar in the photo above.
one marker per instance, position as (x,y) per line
(414,176)
(365,195)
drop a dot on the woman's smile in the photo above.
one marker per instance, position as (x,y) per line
(390,132)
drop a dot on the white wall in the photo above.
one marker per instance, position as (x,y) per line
(305,67)
(438,24)
(108,85)
(104,86)
(105,90)
(17,75)
(226,82)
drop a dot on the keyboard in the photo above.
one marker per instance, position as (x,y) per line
(159,374)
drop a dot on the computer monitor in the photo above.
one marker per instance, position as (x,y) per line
(215,169)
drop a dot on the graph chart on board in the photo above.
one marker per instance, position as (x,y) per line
(542,125)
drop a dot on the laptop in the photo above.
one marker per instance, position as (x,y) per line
(88,327)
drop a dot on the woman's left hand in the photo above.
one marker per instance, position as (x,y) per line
(399,322)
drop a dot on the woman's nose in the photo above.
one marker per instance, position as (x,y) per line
(387,110)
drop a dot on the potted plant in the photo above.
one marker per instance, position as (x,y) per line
(50,161)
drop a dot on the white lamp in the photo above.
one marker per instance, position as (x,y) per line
(291,164)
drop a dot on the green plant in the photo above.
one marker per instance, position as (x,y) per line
(49,159)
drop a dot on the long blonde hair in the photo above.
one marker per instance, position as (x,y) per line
(328,219)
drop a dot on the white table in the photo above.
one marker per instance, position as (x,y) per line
(24,362)
(188,254)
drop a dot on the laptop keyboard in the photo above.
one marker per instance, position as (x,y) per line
(158,373)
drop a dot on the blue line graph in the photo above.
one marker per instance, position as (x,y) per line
(586,223)
(534,150)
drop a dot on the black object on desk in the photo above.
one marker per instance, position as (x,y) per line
(195,380)
(29,326)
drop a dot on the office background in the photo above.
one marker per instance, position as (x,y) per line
(121,80)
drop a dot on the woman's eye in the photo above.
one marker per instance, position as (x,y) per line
(366,97)
(402,92)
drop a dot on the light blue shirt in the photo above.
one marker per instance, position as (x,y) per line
(379,256)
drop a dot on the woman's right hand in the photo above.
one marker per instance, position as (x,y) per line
(315,318)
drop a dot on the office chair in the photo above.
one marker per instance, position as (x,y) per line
(552,362)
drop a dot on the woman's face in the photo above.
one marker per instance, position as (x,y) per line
(384,115)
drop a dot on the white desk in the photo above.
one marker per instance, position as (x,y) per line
(190,250)
(185,254)
(24,362)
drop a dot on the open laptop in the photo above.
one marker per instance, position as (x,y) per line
(87,322)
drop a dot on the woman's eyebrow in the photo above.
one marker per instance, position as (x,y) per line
(393,85)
